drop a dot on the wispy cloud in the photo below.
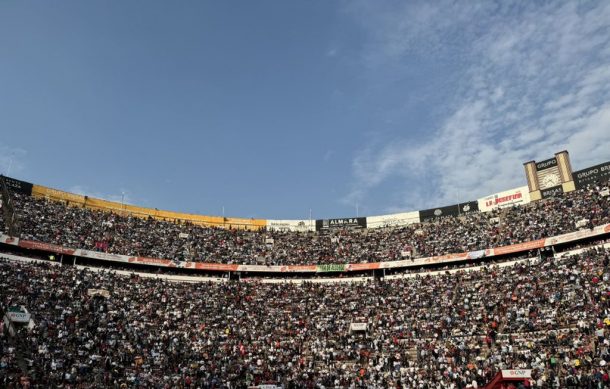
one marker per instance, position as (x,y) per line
(123,195)
(12,160)
(534,80)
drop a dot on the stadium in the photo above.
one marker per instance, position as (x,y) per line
(348,194)
(509,290)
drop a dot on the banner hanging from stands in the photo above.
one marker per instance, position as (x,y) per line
(518,247)
(18,186)
(53,248)
(358,326)
(455,210)
(592,176)
(18,314)
(334,224)
(98,292)
(517,373)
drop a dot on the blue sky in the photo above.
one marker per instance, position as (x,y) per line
(272,108)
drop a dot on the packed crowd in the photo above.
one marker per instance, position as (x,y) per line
(447,331)
(55,222)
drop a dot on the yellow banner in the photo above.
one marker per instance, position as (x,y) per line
(57,195)
(127,209)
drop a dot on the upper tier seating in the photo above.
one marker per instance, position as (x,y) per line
(54,222)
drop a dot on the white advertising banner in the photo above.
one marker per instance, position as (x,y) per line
(393,220)
(358,326)
(517,373)
(18,314)
(577,235)
(98,292)
(507,198)
(291,225)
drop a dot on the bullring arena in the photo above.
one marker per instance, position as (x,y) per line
(508,291)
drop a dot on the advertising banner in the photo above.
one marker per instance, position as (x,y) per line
(364,266)
(152,261)
(291,225)
(18,314)
(546,164)
(515,248)
(294,268)
(577,235)
(553,191)
(213,266)
(358,326)
(33,245)
(507,198)
(519,373)
(455,210)
(18,186)
(393,220)
(335,267)
(101,255)
(416,262)
(592,175)
(334,224)
(98,292)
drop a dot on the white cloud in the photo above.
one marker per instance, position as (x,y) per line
(533,83)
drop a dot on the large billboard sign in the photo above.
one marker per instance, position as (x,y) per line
(507,198)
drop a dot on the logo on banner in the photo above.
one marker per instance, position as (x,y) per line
(592,175)
(497,200)
(356,222)
(546,164)
(552,192)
